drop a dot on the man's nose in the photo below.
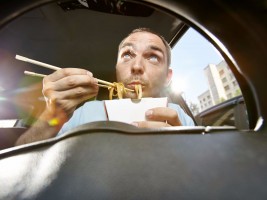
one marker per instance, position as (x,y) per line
(138,66)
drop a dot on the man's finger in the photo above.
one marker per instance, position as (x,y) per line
(75,93)
(72,81)
(164,114)
(59,74)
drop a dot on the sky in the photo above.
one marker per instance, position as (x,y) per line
(189,57)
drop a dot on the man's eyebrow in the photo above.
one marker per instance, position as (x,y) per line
(127,44)
(156,48)
(153,47)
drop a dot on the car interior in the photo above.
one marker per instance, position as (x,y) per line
(222,157)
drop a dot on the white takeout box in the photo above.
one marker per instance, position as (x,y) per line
(132,110)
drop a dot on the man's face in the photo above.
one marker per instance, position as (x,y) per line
(142,59)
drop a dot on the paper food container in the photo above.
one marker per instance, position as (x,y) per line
(131,110)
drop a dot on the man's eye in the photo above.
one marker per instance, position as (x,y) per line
(153,58)
(126,55)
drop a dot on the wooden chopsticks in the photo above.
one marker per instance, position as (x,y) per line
(18,57)
(104,84)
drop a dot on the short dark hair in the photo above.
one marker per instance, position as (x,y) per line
(166,44)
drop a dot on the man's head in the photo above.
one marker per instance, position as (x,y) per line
(144,58)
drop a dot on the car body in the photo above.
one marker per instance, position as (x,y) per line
(228,113)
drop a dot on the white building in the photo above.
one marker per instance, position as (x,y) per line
(222,85)
(205,100)
(228,80)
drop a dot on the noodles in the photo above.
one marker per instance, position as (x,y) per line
(138,91)
(119,90)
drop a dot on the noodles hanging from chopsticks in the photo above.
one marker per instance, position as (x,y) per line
(119,90)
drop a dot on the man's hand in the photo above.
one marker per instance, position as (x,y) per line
(66,88)
(160,117)
(63,90)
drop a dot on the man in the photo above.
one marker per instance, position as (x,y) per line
(144,58)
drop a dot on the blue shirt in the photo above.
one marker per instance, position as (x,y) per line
(93,111)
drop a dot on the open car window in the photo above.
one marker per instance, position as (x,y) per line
(206,82)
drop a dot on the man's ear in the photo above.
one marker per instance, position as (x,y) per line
(169,77)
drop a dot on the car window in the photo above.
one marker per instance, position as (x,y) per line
(69,34)
(208,85)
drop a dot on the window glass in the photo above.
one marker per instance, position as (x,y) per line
(204,79)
